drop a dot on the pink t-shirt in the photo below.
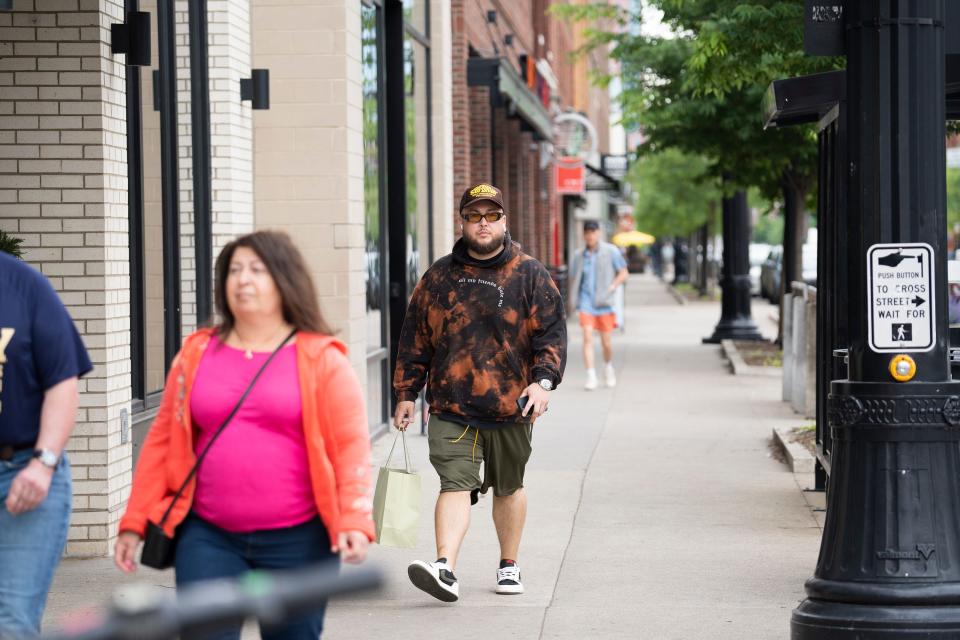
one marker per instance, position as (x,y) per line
(256,475)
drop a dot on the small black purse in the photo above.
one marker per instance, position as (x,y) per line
(159,549)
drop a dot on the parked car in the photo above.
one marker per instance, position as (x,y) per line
(770,271)
(758,253)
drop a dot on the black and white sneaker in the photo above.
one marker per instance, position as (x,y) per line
(435,578)
(508,578)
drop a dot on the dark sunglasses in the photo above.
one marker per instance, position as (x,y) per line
(490,216)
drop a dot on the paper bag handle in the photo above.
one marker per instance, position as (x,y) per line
(406,455)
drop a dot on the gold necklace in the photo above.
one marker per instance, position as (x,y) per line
(248,351)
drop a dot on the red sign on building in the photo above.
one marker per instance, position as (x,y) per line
(569,176)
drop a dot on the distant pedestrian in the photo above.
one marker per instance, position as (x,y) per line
(285,484)
(598,271)
(485,331)
(41,359)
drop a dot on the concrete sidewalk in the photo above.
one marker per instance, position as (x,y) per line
(655,510)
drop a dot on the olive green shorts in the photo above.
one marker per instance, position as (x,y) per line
(456,452)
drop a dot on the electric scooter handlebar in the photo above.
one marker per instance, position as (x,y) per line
(145,612)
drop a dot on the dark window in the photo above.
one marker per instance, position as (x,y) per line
(374,183)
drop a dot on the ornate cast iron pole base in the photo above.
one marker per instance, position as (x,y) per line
(889,564)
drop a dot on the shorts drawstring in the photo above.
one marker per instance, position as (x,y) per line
(473,451)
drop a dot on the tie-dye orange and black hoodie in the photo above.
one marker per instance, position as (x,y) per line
(482,331)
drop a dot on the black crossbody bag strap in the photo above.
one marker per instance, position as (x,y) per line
(223,426)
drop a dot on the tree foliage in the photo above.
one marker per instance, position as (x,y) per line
(11,245)
(701,90)
(674,192)
(953,197)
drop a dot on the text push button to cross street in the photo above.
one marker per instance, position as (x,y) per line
(901,297)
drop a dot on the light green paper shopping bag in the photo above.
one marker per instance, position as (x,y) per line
(396,502)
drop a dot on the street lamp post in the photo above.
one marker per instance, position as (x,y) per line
(735,323)
(889,564)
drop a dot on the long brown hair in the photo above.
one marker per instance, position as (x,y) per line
(289,271)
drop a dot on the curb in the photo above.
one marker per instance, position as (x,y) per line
(739,365)
(676,295)
(799,459)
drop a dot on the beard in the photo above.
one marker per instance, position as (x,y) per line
(488,247)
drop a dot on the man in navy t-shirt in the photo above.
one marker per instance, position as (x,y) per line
(41,359)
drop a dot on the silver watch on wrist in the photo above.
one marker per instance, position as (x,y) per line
(546,384)
(47,457)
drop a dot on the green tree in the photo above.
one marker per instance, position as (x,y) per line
(675,192)
(11,245)
(953,197)
(701,90)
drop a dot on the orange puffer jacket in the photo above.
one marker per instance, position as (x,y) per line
(334,427)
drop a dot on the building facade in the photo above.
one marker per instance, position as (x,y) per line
(137,137)
(125,181)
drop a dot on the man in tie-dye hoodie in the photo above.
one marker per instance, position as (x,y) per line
(486,332)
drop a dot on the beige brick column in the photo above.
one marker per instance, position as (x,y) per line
(444,197)
(308,149)
(63,189)
(231,121)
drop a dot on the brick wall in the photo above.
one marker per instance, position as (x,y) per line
(462,101)
(480,157)
(63,190)
(445,196)
(231,121)
(308,149)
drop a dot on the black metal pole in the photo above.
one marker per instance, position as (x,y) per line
(396,170)
(889,563)
(136,222)
(793,226)
(202,169)
(169,178)
(736,323)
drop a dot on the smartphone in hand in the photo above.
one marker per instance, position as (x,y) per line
(522,403)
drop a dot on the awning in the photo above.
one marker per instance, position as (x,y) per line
(953,86)
(803,99)
(507,85)
(810,98)
(599,180)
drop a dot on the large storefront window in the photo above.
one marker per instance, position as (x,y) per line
(397,185)
(154,239)
(375,219)
(417,111)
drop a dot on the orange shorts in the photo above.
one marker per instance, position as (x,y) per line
(603,324)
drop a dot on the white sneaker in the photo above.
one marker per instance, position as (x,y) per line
(508,579)
(591,382)
(436,578)
(611,375)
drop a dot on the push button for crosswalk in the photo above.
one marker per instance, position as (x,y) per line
(903,368)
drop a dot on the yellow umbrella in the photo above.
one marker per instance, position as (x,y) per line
(632,239)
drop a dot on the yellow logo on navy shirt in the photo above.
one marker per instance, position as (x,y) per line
(482,190)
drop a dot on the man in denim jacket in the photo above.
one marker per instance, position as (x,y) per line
(598,270)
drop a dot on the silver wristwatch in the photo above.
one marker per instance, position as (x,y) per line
(546,384)
(47,458)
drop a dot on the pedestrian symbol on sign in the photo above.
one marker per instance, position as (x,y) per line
(902,332)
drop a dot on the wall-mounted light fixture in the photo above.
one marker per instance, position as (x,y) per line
(257,88)
(132,38)
(508,40)
(492,16)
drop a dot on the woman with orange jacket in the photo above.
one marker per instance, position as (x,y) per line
(286,482)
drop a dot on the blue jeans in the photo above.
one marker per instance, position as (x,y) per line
(205,551)
(31,545)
